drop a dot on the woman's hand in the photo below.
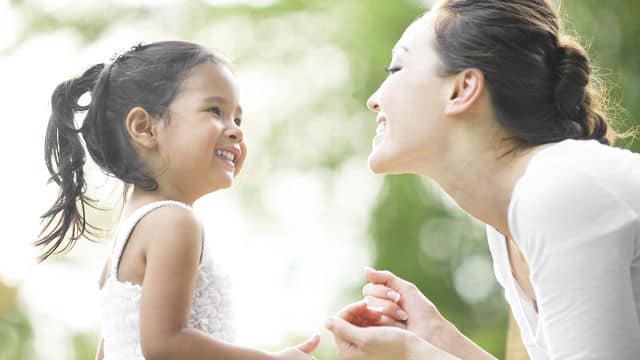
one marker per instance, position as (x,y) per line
(380,343)
(420,316)
(300,352)
(399,303)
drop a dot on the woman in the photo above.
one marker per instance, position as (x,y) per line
(491,101)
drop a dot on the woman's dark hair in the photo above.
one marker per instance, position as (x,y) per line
(147,76)
(539,79)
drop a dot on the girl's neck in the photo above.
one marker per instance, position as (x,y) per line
(140,197)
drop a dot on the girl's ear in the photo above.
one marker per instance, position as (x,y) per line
(140,126)
(467,88)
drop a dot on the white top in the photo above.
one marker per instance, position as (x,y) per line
(120,301)
(574,215)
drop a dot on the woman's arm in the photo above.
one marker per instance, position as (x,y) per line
(100,351)
(578,239)
(173,240)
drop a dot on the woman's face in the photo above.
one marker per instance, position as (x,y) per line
(410,105)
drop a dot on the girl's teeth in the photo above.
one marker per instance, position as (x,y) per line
(226,155)
(380,128)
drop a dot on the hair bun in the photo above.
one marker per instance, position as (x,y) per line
(573,73)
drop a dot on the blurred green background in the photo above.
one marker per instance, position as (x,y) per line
(308,67)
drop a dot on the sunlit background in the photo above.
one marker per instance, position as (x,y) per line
(306,215)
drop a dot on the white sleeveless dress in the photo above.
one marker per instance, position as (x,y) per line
(120,301)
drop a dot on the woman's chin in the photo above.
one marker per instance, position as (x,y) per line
(379,164)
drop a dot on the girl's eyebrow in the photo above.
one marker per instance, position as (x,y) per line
(219,99)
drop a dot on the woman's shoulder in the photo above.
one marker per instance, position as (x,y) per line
(587,157)
(577,172)
(573,185)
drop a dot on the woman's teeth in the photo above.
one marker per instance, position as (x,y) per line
(380,128)
(226,155)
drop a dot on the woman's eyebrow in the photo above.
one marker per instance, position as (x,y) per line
(395,49)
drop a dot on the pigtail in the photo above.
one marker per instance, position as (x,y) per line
(65,222)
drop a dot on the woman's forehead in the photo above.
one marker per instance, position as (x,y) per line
(417,35)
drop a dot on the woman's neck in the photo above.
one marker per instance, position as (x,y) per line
(480,176)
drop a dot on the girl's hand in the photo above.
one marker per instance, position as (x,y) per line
(300,352)
(380,343)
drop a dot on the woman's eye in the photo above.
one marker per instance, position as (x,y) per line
(237,121)
(214,110)
(391,70)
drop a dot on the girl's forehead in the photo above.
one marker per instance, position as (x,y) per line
(208,79)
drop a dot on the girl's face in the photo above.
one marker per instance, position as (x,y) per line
(202,145)
(410,105)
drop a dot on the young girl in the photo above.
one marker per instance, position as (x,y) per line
(165,119)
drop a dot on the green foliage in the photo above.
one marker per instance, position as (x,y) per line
(15,335)
(84,345)
(411,218)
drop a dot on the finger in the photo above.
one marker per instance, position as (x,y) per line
(344,331)
(388,279)
(310,345)
(387,308)
(380,291)
(387,321)
(359,314)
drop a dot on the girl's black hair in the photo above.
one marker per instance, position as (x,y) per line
(147,76)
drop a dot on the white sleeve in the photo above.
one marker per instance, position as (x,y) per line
(578,239)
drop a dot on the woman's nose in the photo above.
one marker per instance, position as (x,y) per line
(372,103)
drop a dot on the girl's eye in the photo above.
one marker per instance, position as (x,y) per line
(237,121)
(215,110)
(391,70)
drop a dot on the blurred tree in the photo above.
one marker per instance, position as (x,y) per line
(15,328)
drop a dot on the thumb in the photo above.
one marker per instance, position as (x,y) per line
(344,330)
(310,345)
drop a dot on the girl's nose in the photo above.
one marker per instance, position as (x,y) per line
(234,133)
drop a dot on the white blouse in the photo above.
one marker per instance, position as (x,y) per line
(120,301)
(575,217)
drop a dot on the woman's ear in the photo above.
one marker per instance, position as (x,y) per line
(467,88)
(140,126)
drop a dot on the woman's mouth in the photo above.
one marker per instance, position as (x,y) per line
(382,124)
